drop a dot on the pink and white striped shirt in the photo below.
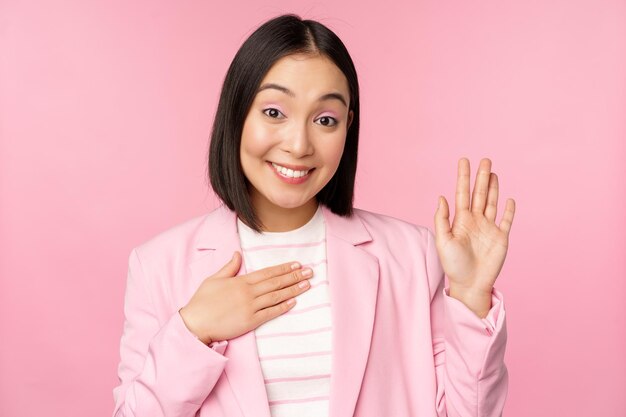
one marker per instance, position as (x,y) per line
(295,348)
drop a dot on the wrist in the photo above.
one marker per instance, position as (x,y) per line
(188,323)
(479,301)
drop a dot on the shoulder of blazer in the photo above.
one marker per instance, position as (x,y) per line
(185,239)
(383,226)
(400,244)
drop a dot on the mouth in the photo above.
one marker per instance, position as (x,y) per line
(291,171)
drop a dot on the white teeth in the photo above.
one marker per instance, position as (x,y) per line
(290,172)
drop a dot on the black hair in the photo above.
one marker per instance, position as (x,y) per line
(281,36)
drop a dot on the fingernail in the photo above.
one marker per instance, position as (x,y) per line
(307,272)
(295,265)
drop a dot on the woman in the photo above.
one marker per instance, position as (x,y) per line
(286,300)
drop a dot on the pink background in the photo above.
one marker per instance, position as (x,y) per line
(105,111)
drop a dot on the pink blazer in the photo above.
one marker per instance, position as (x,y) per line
(401,345)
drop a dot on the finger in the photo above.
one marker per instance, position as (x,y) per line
(270,313)
(507,217)
(492,198)
(481,186)
(463,186)
(276,283)
(275,297)
(231,268)
(272,271)
(442,220)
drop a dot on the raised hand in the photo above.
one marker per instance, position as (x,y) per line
(473,250)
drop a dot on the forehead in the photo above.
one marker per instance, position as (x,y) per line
(307,75)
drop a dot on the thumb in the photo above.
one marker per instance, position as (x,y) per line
(442,220)
(231,268)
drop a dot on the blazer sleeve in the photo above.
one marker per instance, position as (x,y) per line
(164,369)
(472,379)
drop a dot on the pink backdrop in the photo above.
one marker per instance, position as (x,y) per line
(105,110)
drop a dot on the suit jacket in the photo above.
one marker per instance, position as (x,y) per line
(401,346)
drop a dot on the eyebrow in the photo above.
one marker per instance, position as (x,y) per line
(328,96)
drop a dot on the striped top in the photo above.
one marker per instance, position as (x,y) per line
(295,348)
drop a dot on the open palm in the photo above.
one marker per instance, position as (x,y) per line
(473,250)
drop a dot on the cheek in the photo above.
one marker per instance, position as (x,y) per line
(256,140)
(334,150)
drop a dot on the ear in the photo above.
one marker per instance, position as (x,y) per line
(350,117)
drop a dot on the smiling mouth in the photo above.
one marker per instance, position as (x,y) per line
(290,173)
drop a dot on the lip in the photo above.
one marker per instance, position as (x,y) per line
(288,180)
(293,167)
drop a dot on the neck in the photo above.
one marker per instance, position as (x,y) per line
(280,219)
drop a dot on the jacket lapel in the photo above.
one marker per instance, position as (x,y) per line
(353,276)
(243,370)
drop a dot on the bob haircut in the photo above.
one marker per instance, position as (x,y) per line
(281,36)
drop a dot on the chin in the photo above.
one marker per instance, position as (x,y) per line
(289,204)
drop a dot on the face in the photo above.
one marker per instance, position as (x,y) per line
(294,134)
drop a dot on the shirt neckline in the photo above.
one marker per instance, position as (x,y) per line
(305,231)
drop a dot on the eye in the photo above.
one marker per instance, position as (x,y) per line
(273,113)
(328,121)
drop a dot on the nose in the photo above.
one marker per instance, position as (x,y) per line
(298,141)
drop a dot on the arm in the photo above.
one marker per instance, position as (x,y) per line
(164,369)
(472,379)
